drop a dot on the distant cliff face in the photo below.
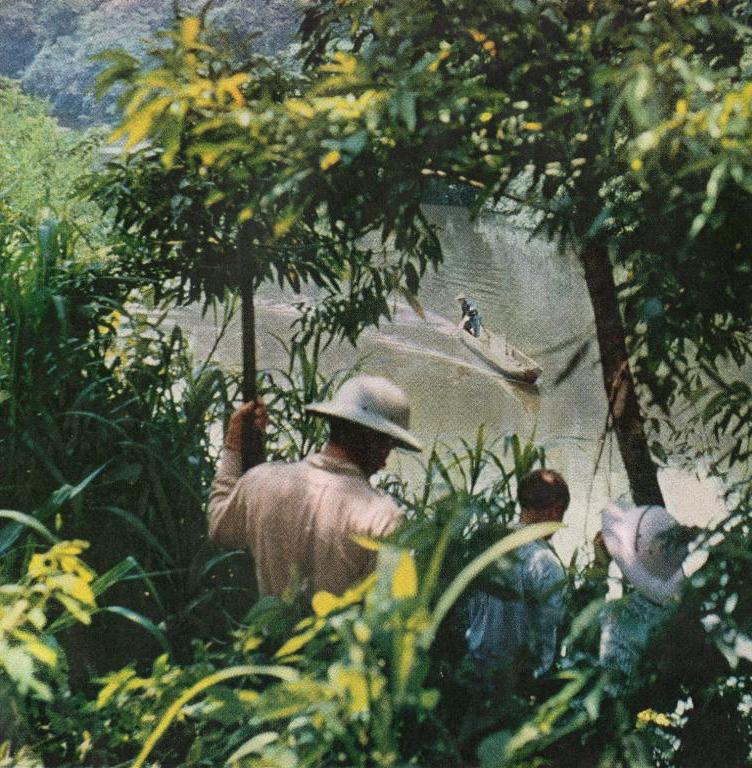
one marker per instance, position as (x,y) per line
(47,43)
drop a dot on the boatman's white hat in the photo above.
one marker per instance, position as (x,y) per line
(373,402)
(641,542)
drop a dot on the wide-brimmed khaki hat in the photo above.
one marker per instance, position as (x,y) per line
(643,542)
(373,402)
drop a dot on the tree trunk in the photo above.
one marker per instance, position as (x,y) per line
(252,449)
(617,377)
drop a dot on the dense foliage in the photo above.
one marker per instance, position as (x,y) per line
(41,163)
(579,111)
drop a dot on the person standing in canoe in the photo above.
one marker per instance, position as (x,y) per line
(471,319)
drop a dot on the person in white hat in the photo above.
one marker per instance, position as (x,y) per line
(649,547)
(299,520)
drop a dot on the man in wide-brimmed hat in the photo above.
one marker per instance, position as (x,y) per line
(649,546)
(299,520)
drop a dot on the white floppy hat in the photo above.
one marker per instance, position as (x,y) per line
(373,402)
(640,541)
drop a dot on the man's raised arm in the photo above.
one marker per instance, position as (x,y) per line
(227,512)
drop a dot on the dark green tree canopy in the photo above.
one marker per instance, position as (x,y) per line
(621,127)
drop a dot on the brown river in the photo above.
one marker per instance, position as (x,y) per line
(535,295)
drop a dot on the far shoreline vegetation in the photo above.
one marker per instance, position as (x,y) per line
(126,637)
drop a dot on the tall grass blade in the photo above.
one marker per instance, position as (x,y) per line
(138,525)
(286,674)
(113,576)
(10,533)
(142,621)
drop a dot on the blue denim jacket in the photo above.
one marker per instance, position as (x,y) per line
(501,632)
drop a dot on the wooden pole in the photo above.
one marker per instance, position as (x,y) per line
(252,450)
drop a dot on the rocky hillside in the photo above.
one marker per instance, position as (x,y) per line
(47,43)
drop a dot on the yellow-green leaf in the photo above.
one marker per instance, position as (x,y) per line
(367,543)
(405,580)
(323,603)
(298,641)
(344,63)
(405,659)
(37,648)
(252,643)
(114,683)
(352,685)
(329,159)
(74,608)
(190,28)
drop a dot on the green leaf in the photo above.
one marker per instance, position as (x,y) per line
(143,622)
(66,493)
(406,101)
(143,531)
(355,144)
(492,748)
(10,533)
(254,744)
(588,617)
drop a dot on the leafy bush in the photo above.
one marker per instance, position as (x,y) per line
(96,397)
(378,676)
(55,582)
(364,679)
(42,163)
(105,434)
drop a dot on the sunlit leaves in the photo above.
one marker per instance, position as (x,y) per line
(173,711)
(188,32)
(262,147)
(342,63)
(352,684)
(57,575)
(42,164)
(158,100)
(324,603)
(405,579)
(329,159)
(139,126)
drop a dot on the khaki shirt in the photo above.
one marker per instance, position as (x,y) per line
(298,520)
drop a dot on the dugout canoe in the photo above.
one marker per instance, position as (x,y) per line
(504,357)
